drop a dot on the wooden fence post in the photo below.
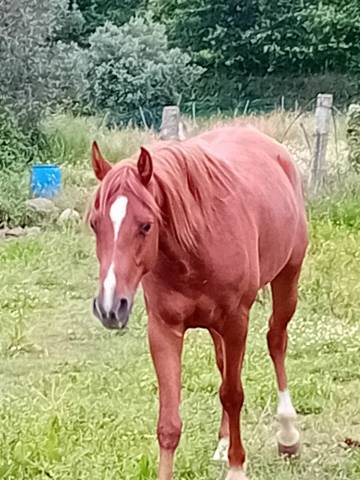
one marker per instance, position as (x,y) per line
(322,126)
(170,124)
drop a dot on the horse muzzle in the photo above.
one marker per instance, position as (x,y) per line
(117,317)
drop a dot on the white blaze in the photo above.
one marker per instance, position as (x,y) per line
(117,215)
(109,288)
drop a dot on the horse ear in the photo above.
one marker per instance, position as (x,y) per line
(145,166)
(99,164)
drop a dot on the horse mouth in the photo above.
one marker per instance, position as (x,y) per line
(112,324)
(112,320)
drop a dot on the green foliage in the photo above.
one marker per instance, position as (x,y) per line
(38,71)
(213,32)
(14,189)
(307,37)
(133,74)
(341,210)
(69,140)
(15,145)
(73,25)
(97,12)
(353,137)
(233,95)
(264,36)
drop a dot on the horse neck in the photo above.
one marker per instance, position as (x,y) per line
(169,248)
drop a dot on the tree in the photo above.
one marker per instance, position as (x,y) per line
(132,73)
(97,12)
(263,36)
(38,71)
(211,31)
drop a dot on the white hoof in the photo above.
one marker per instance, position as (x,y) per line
(221,454)
(236,474)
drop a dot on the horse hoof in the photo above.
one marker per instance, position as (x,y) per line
(236,474)
(221,454)
(289,450)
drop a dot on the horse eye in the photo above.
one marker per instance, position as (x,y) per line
(146,227)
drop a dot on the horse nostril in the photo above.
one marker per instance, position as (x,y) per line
(123,305)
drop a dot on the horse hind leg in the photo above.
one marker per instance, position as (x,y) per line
(284,294)
(221,453)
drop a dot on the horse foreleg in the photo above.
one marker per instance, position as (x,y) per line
(284,291)
(166,347)
(221,453)
(231,393)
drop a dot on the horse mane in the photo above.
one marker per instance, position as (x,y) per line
(187,182)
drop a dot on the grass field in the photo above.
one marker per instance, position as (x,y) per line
(79,402)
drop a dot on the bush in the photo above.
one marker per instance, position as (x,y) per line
(263,36)
(97,12)
(16,147)
(133,74)
(353,137)
(38,71)
(14,190)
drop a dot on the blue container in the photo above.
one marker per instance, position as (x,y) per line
(45,181)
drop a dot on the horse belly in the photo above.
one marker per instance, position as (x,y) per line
(279,238)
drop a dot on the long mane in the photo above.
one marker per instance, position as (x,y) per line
(187,183)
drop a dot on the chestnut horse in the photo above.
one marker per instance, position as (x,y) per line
(203,225)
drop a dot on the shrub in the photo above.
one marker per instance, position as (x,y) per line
(14,190)
(262,36)
(132,73)
(16,148)
(353,137)
(97,12)
(38,71)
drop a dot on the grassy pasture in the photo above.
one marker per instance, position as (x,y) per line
(78,402)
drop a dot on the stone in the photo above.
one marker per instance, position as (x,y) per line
(69,216)
(41,205)
(16,232)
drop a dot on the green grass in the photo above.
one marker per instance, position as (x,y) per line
(79,402)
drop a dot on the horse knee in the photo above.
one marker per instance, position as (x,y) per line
(169,433)
(232,397)
(276,340)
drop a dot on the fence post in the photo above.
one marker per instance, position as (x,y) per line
(170,124)
(322,126)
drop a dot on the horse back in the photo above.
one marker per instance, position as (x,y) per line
(268,195)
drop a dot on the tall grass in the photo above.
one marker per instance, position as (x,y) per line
(69,139)
(14,187)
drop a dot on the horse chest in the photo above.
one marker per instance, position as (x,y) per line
(187,307)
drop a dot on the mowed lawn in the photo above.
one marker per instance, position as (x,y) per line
(79,402)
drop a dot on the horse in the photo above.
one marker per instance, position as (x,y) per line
(203,225)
